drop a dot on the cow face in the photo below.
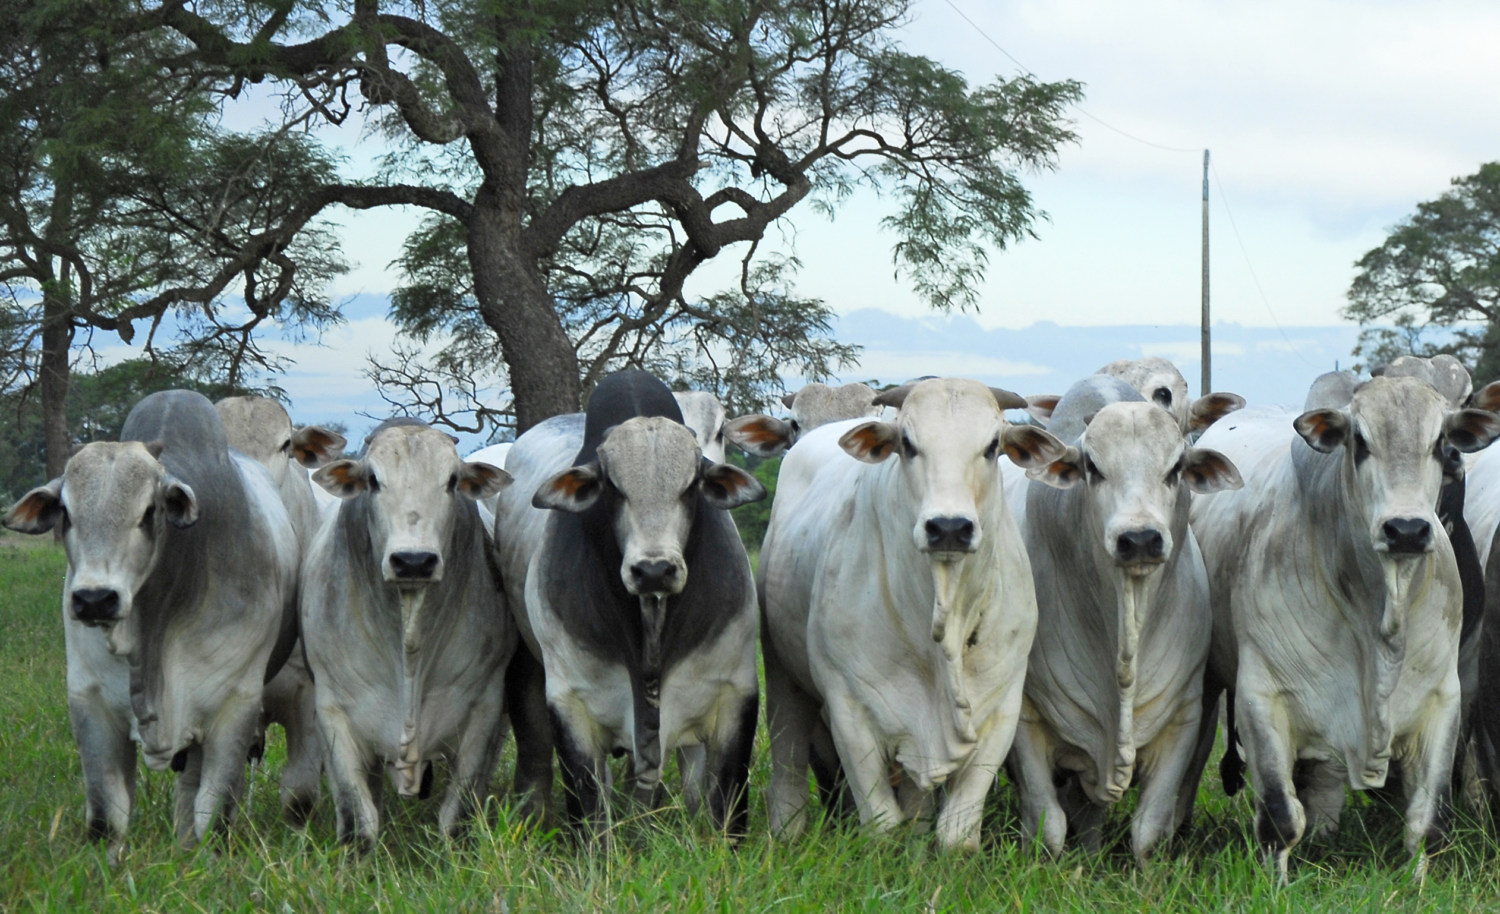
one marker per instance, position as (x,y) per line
(112,503)
(651,475)
(413,480)
(703,414)
(812,406)
(1159,381)
(1138,469)
(947,435)
(1395,438)
(260,428)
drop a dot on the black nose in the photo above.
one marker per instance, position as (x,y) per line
(95,605)
(1139,546)
(414,566)
(950,534)
(1407,534)
(653,575)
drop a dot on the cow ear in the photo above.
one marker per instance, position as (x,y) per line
(1063,473)
(1028,446)
(180,502)
(344,478)
(1487,397)
(1471,430)
(786,399)
(871,442)
(1323,429)
(1207,471)
(893,397)
(155,448)
(575,489)
(1040,406)
(1009,399)
(727,486)
(313,446)
(481,480)
(1210,408)
(38,510)
(760,435)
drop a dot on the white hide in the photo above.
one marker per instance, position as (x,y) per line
(852,609)
(704,415)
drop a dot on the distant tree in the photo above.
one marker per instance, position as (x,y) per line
(582,159)
(1433,286)
(122,201)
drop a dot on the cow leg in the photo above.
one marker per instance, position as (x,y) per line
(791,717)
(526,701)
(185,794)
(917,805)
(350,773)
(225,748)
(1320,787)
(478,749)
(692,766)
(729,759)
(1085,817)
(1425,775)
(833,787)
(109,768)
(865,765)
(289,701)
(1279,817)
(583,771)
(1042,814)
(1163,781)
(1203,747)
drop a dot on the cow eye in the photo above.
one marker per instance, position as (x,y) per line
(1450,457)
(993,451)
(908,450)
(286,445)
(795,426)
(1091,470)
(148,517)
(1162,396)
(452,483)
(1174,475)
(1361,448)
(373,482)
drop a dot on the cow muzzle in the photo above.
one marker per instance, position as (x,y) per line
(95,606)
(1406,536)
(949,534)
(1139,551)
(655,576)
(413,567)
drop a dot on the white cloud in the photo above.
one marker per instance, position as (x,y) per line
(891,367)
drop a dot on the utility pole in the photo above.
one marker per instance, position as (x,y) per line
(1207,361)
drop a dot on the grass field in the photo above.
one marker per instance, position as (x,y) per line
(661,862)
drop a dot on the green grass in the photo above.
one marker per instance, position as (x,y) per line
(659,862)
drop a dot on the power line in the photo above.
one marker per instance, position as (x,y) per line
(1081,110)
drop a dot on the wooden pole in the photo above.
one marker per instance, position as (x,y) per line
(1207,358)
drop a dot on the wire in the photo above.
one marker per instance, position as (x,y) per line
(1254,277)
(1081,110)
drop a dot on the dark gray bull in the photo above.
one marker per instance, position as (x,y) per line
(405,627)
(638,601)
(176,607)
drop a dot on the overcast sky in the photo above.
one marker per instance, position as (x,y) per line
(1328,121)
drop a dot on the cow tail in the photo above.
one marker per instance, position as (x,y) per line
(1232,765)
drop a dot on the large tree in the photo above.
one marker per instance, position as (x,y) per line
(123,201)
(1433,286)
(588,156)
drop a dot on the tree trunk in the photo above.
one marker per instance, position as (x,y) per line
(514,301)
(57,346)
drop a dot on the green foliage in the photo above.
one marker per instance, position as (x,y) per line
(754,518)
(1433,286)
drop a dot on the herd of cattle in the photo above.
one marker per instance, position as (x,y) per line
(941,592)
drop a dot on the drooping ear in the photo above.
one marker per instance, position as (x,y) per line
(1040,406)
(179,501)
(893,397)
(38,510)
(575,489)
(481,480)
(763,436)
(314,446)
(786,399)
(1009,399)
(1028,446)
(1471,430)
(1207,471)
(1210,408)
(1323,429)
(1063,473)
(872,441)
(727,486)
(344,478)
(1487,397)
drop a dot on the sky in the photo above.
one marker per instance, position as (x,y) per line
(1327,122)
